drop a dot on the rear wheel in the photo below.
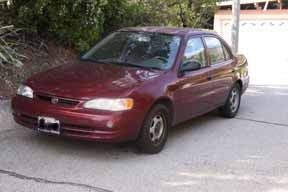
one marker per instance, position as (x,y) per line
(154,131)
(232,104)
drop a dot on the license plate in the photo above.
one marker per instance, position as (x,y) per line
(49,125)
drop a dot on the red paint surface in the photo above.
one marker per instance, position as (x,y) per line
(190,94)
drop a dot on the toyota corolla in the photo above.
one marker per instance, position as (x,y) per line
(134,85)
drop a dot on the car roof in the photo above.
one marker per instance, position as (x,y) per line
(169,30)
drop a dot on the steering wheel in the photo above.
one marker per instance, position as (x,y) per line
(164,59)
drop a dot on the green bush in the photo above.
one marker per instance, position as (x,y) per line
(74,22)
(81,23)
(180,13)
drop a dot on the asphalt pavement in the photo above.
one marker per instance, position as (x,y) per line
(209,153)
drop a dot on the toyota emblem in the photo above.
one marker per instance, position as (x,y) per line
(54,100)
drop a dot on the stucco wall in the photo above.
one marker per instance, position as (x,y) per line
(223,18)
(263,38)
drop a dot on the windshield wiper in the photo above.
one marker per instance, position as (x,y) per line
(134,65)
(95,60)
(122,63)
(137,66)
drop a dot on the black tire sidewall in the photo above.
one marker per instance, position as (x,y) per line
(144,141)
(226,109)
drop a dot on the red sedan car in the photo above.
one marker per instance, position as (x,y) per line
(134,85)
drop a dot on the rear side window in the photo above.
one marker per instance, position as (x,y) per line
(195,52)
(215,50)
(227,53)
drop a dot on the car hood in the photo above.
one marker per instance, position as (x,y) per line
(86,80)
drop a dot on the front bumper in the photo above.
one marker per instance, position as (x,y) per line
(245,81)
(79,123)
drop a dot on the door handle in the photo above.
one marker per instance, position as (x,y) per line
(209,78)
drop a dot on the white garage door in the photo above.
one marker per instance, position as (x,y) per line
(265,43)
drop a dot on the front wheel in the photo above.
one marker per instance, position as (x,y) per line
(154,131)
(232,104)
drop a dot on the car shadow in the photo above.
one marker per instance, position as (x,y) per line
(195,128)
(63,145)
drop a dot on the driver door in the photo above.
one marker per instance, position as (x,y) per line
(193,87)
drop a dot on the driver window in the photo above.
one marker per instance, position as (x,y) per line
(194,52)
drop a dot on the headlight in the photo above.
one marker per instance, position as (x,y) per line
(25,91)
(110,104)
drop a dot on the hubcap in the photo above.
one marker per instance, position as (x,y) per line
(234,100)
(156,128)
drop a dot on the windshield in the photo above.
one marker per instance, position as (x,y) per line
(148,50)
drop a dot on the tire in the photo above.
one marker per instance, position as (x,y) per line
(154,131)
(231,107)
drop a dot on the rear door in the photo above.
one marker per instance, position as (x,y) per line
(221,69)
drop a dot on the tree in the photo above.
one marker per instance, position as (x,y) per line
(80,23)
(181,13)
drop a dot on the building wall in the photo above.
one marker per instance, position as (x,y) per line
(263,39)
(222,20)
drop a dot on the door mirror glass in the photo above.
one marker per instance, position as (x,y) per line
(194,56)
(190,66)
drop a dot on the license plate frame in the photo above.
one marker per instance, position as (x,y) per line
(49,125)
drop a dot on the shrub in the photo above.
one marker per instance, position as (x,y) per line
(8,51)
(74,22)
(181,13)
(81,23)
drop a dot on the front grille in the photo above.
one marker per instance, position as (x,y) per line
(57,100)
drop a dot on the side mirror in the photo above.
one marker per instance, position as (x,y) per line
(81,54)
(190,66)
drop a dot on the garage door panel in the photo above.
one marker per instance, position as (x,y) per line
(265,43)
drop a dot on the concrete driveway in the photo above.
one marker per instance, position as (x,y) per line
(248,153)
